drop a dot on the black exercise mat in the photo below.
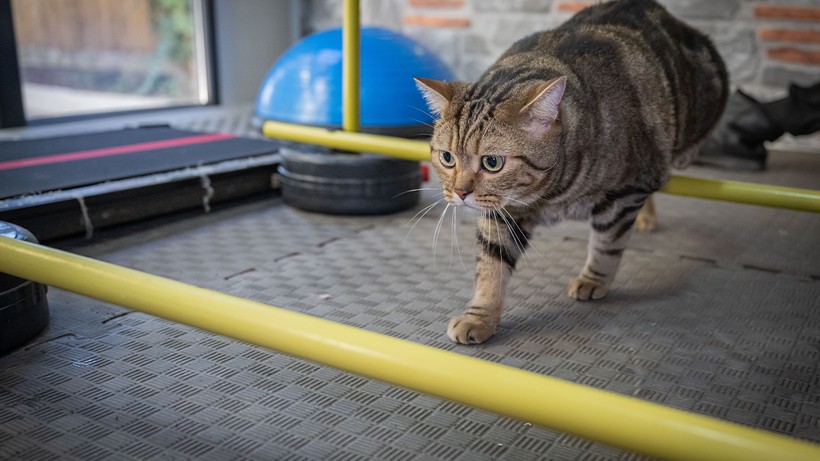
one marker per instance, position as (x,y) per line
(81,160)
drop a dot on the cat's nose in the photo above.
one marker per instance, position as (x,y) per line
(462,194)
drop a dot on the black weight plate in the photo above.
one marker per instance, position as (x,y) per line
(348,184)
(23,303)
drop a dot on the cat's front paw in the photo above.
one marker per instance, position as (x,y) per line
(584,289)
(470,329)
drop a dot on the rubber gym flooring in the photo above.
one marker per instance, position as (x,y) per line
(718,312)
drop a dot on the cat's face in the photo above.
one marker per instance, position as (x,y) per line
(489,158)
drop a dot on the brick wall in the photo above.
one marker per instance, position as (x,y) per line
(766,43)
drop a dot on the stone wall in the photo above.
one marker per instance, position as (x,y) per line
(767,44)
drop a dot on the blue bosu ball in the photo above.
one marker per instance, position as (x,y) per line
(305,85)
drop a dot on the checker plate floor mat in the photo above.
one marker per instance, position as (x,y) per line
(717,313)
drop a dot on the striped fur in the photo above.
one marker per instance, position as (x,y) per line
(584,121)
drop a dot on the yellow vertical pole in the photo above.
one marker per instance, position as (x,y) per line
(350,66)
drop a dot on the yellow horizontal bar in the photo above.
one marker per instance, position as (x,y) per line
(744,192)
(405,149)
(622,421)
(731,191)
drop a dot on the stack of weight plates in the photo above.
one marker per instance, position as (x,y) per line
(348,183)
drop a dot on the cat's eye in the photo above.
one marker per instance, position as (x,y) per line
(492,163)
(447,159)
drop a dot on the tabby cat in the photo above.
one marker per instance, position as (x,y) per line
(578,122)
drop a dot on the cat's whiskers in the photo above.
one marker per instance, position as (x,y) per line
(419,190)
(421,122)
(498,234)
(527,240)
(425,113)
(521,246)
(526,205)
(437,232)
(420,215)
(452,236)
(455,239)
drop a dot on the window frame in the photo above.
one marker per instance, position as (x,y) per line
(11,90)
(12,110)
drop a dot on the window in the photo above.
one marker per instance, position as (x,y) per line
(91,56)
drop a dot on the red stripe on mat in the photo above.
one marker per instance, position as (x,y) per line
(116,150)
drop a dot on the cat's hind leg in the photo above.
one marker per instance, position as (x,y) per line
(612,224)
(647,219)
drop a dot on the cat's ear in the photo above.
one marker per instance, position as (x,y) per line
(437,93)
(541,111)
